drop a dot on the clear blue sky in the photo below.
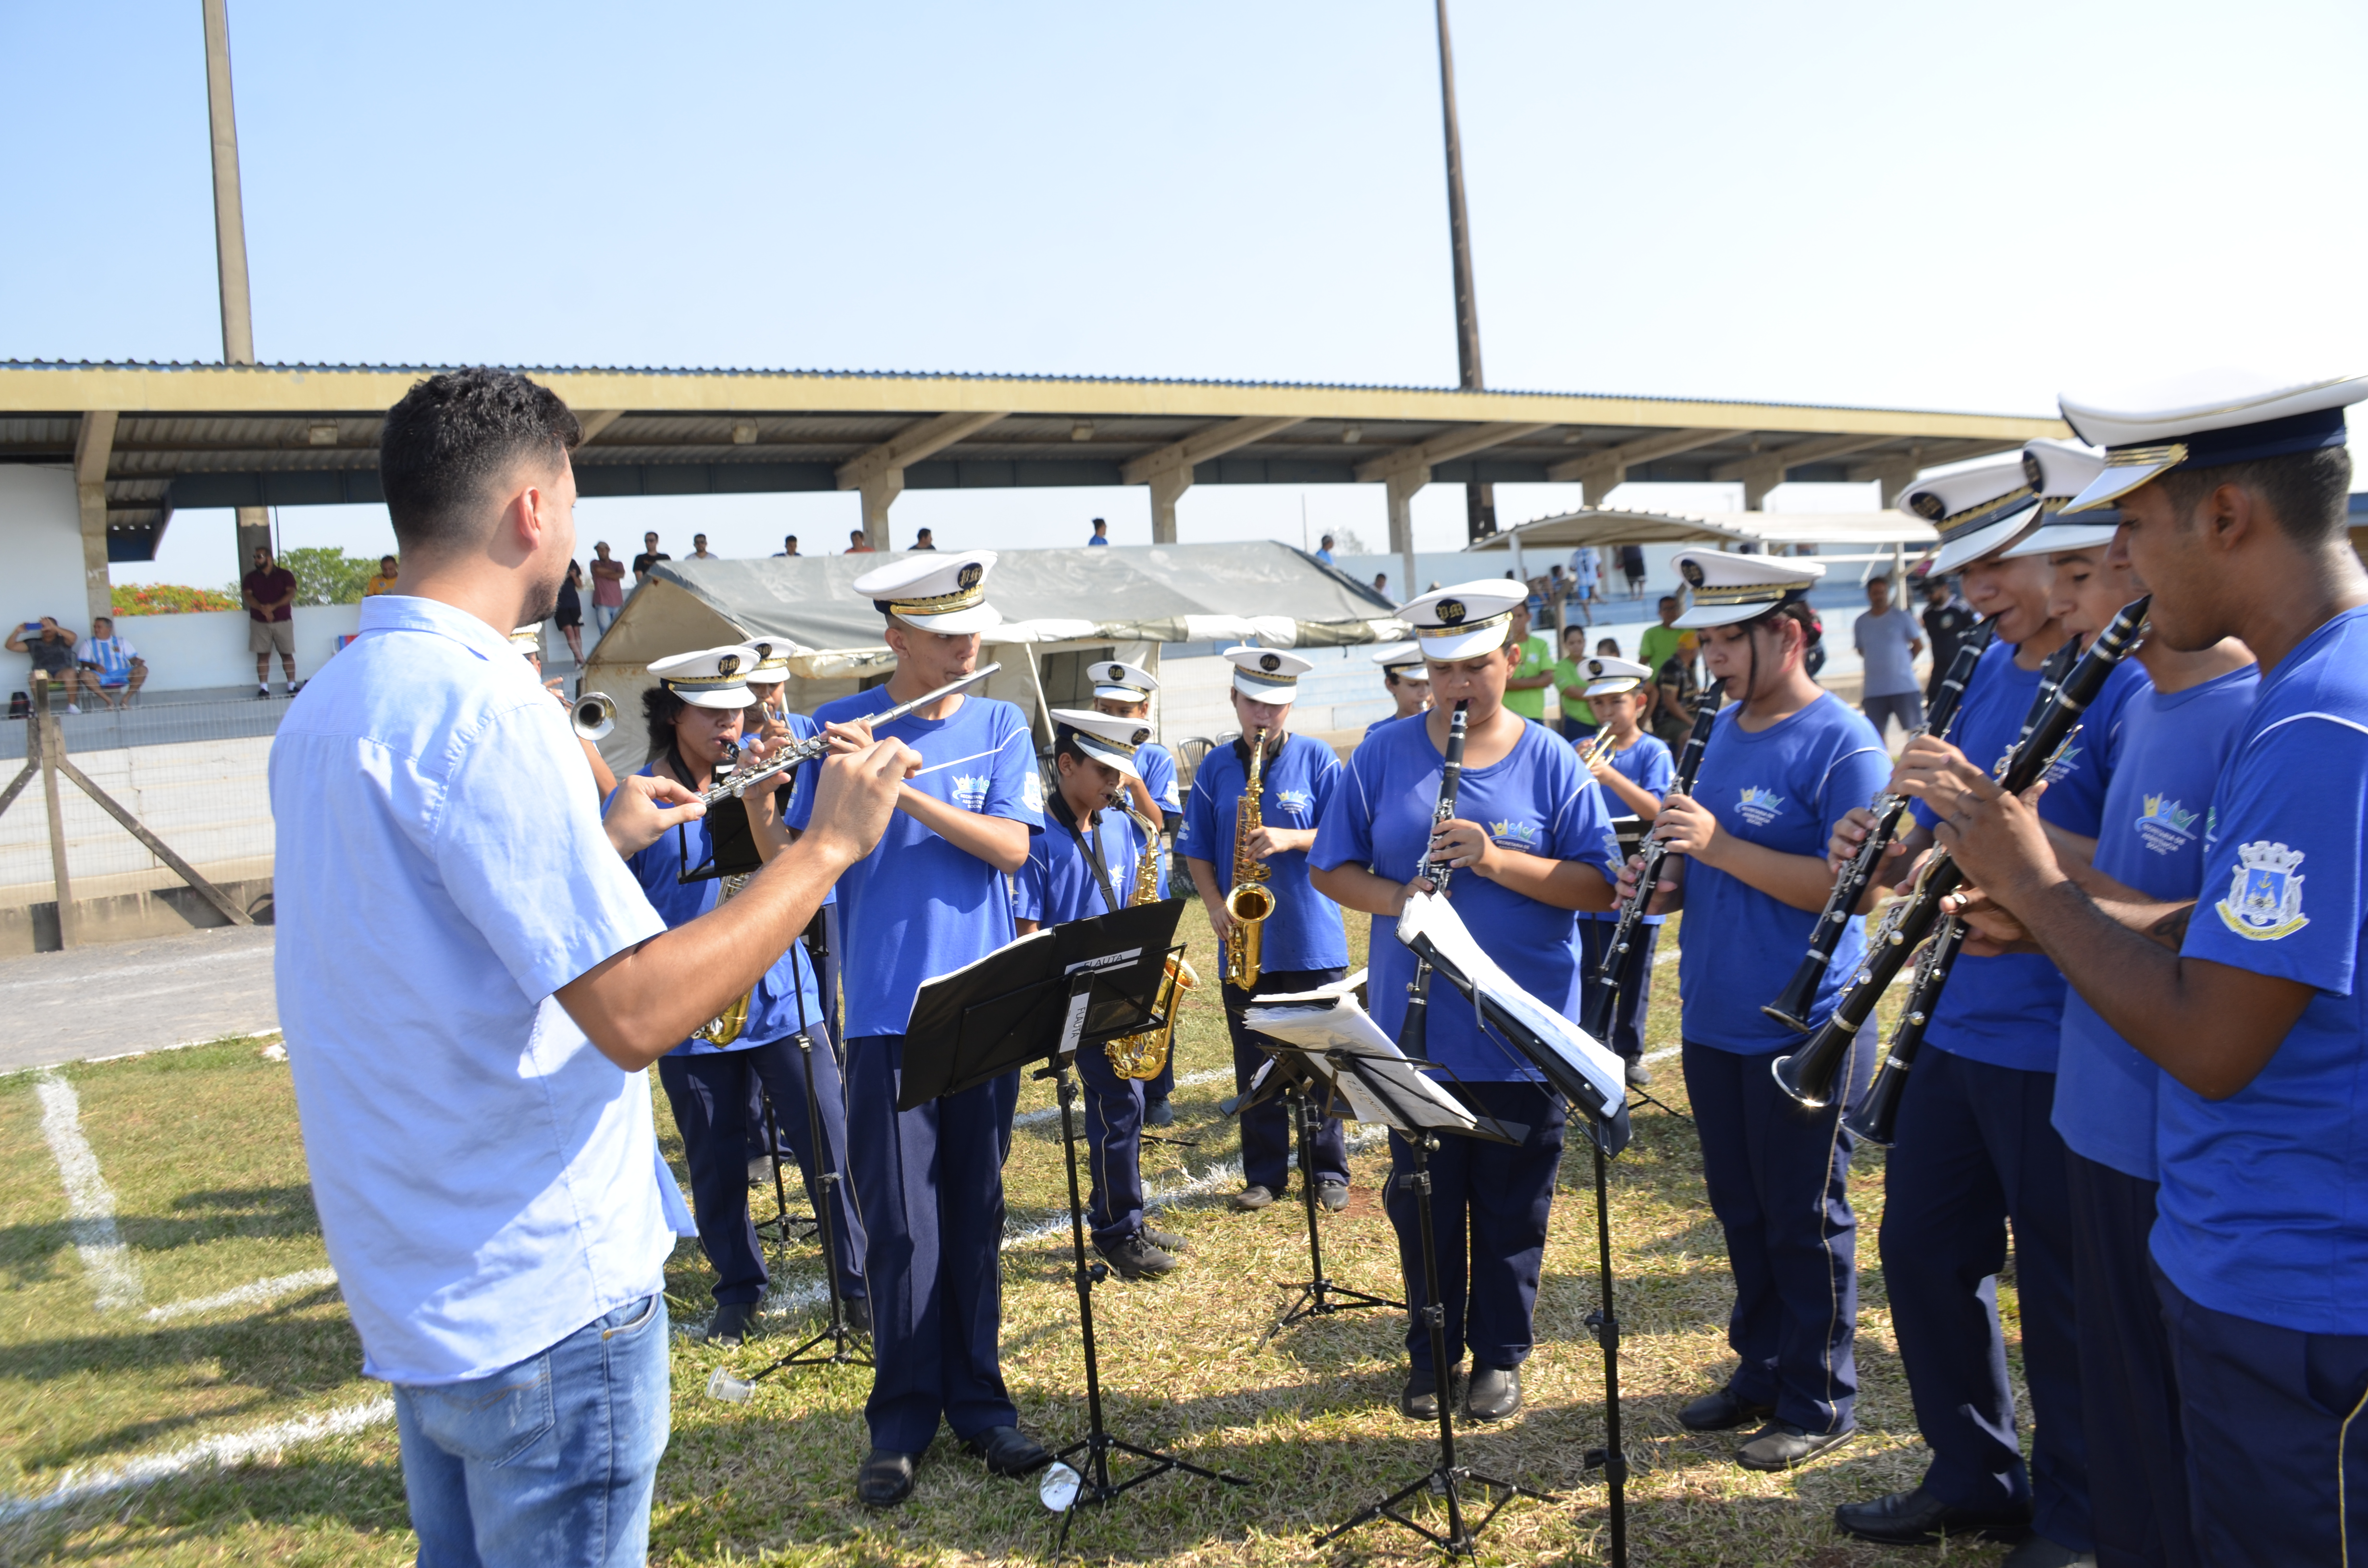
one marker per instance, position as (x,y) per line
(1924,205)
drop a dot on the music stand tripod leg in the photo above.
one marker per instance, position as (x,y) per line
(1318,1297)
(1095,1484)
(1613,1458)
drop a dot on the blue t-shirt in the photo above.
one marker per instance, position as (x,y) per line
(2008,1009)
(916,907)
(1787,788)
(1649,767)
(2171,751)
(2263,1210)
(773,1005)
(1305,931)
(1537,800)
(1159,769)
(1057,884)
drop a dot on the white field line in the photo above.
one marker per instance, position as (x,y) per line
(1660,959)
(152,1050)
(75,1485)
(113,1275)
(1216,1178)
(1189,1081)
(249,1295)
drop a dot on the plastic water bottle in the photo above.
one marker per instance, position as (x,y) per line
(722,1385)
(1058,1491)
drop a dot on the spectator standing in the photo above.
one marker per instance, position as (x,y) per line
(1948,621)
(789,546)
(1324,551)
(1525,689)
(110,666)
(1381,584)
(1887,640)
(1571,681)
(1101,533)
(384,582)
(51,647)
(270,593)
(569,616)
(1677,682)
(1586,571)
(698,547)
(924,539)
(1632,566)
(649,557)
(608,590)
(1656,648)
(859,545)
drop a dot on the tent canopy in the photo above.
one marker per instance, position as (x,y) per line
(1593,526)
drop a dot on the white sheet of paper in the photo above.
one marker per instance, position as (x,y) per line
(1335,1022)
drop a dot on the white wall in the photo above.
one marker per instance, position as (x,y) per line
(40,539)
(209,648)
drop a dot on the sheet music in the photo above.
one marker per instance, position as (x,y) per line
(1335,1023)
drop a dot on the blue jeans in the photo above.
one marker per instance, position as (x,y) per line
(603,617)
(550,1461)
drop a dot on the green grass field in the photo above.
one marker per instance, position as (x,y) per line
(200,1149)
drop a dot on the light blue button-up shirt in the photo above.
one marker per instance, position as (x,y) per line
(482,1174)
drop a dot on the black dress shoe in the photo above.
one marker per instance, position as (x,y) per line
(1332,1195)
(1722,1412)
(858,1311)
(1008,1450)
(1420,1400)
(1919,1519)
(1495,1393)
(885,1480)
(1780,1445)
(1639,1076)
(1158,1112)
(1165,1240)
(729,1323)
(1137,1258)
(1252,1197)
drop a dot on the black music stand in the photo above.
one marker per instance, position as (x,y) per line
(1393,1091)
(1048,995)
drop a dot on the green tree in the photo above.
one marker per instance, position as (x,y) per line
(327,576)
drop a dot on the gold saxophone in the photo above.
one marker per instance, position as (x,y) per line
(1251,900)
(1146,1055)
(725,1027)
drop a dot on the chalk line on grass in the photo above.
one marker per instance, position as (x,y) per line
(1216,1178)
(253,1294)
(1189,1081)
(90,1202)
(235,1447)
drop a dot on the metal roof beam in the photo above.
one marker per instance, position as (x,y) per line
(910,445)
(1779,459)
(594,421)
(1601,472)
(1202,446)
(1446,447)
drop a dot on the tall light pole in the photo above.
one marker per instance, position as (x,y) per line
(1479,500)
(229,239)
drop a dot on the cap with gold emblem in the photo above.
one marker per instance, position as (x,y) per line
(711,678)
(772,666)
(1403,660)
(1105,738)
(1728,588)
(2205,421)
(1122,682)
(935,593)
(1613,677)
(1266,675)
(2056,471)
(1465,620)
(1976,511)
(528,640)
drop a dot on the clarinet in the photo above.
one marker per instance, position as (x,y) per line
(1792,1007)
(1809,1074)
(1414,1034)
(1598,1022)
(1877,1117)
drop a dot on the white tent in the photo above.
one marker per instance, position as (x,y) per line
(1596,525)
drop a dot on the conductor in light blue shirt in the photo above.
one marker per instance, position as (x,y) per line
(477,1124)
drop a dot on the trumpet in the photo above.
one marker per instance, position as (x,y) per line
(593,715)
(1595,750)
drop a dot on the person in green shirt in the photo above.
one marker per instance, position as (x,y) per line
(1525,691)
(1570,680)
(1660,643)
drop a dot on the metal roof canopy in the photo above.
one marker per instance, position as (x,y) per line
(180,436)
(1573,530)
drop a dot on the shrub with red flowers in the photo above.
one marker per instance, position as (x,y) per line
(171,598)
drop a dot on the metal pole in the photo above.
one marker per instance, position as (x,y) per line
(43,733)
(1479,500)
(230,237)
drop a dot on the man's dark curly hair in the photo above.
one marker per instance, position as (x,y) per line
(453,438)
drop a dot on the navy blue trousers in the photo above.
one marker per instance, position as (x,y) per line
(1779,1180)
(1488,1208)
(2277,1458)
(929,1183)
(1977,1153)
(711,1094)
(2129,1401)
(1627,1040)
(1267,1129)
(1113,1147)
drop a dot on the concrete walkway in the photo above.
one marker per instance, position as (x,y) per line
(123,996)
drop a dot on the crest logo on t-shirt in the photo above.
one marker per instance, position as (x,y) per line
(1297,802)
(2064,763)
(2264,900)
(970,791)
(1032,792)
(2166,826)
(1760,807)
(1514,835)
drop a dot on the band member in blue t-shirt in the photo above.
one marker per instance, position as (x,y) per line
(694,713)
(1635,770)
(1086,862)
(1302,942)
(1124,691)
(2233,508)
(930,898)
(1785,761)
(1407,679)
(2175,735)
(1530,843)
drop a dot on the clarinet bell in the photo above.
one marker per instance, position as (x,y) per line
(1791,1008)
(1808,1074)
(1876,1120)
